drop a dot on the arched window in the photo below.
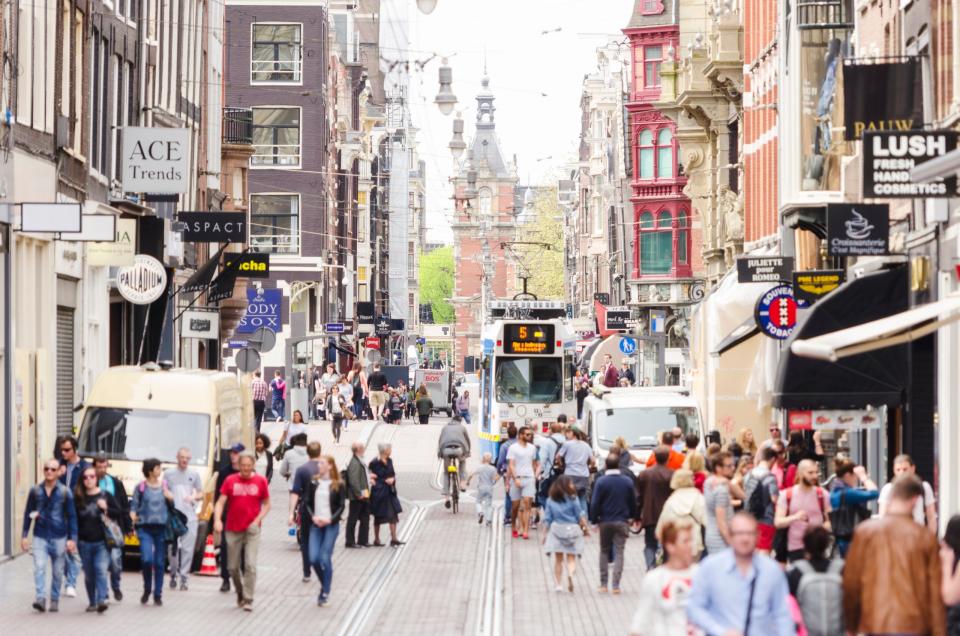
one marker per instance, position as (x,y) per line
(664,154)
(485,201)
(645,142)
(656,243)
(683,238)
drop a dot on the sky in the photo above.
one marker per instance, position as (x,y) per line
(536,77)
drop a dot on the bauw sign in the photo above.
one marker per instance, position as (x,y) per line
(156,160)
(263,310)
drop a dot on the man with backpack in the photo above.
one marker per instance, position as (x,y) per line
(760,488)
(547,448)
(849,495)
(801,507)
(816,583)
(50,508)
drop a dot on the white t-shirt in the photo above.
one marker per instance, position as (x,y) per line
(295,429)
(919,514)
(523,457)
(321,500)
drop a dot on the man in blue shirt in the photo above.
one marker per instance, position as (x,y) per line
(851,491)
(740,592)
(50,508)
(71,467)
(612,508)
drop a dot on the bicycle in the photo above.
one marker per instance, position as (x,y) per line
(453,482)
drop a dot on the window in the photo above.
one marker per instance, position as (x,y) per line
(656,243)
(275,223)
(276,137)
(486,201)
(100,107)
(136,434)
(362,273)
(276,53)
(363,293)
(683,236)
(664,154)
(646,154)
(651,7)
(530,379)
(652,56)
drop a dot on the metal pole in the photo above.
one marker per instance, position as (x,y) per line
(143,336)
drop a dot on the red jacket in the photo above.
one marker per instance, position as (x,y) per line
(611,377)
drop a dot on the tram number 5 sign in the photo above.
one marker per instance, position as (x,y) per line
(776,312)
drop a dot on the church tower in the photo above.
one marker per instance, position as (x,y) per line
(484,219)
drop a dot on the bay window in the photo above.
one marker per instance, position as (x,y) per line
(275,223)
(645,142)
(665,154)
(664,239)
(652,57)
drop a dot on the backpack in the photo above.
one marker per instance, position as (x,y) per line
(760,497)
(820,596)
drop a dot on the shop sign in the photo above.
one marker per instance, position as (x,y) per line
(333,327)
(764,269)
(776,312)
(809,287)
(881,97)
(383,326)
(888,158)
(602,297)
(263,310)
(118,252)
(371,343)
(365,313)
(51,217)
(848,420)
(156,160)
(858,229)
(200,323)
(214,227)
(250,264)
(617,318)
(143,282)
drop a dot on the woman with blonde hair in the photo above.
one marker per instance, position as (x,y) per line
(685,505)
(696,464)
(324,502)
(626,459)
(744,466)
(746,442)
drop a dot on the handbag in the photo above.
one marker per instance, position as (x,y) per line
(566,532)
(176,524)
(112,533)
(279,451)
(844,519)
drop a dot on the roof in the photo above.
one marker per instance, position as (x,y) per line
(186,390)
(626,397)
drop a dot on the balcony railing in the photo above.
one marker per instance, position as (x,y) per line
(275,243)
(281,155)
(824,14)
(237,126)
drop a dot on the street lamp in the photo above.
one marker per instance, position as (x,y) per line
(457,145)
(445,100)
(426,6)
(471,190)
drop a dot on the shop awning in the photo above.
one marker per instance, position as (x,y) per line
(871,377)
(886,332)
(744,331)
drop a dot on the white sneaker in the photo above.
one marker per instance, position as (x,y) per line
(558,588)
(70,591)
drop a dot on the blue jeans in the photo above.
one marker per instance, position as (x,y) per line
(96,560)
(153,555)
(321,553)
(465,414)
(116,567)
(507,502)
(48,550)
(358,407)
(72,569)
(277,406)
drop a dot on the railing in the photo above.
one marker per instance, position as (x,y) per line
(275,70)
(237,126)
(283,155)
(824,14)
(275,243)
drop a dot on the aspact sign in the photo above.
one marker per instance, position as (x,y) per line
(214,227)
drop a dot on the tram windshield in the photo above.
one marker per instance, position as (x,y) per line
(529,379)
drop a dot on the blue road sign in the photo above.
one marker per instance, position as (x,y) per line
(628,345)
(334,327)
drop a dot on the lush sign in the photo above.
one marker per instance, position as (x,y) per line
(888,158)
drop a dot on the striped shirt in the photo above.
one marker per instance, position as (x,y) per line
(259,390)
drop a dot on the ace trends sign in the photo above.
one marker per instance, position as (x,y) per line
(214,227)
(156,160)
(858,229)
(888,158)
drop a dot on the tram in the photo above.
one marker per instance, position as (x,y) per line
(526,370)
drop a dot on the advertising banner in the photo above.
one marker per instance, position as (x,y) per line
(616,319)
(263,310)
(858,229)
(888,158)
(250,265)
(884,96)
(764,269)
(156,160)
(214,227)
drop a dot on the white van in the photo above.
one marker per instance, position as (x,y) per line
(135,413)
(638,414)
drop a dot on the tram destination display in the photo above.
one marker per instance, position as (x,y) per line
(528,338)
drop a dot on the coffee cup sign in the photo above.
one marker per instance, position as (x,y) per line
(156,160)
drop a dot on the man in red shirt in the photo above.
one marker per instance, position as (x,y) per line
(611,377)
(675,461)
(247,498)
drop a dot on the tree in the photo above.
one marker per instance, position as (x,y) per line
(543,265)
(436,283)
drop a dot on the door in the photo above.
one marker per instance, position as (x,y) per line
(65,370)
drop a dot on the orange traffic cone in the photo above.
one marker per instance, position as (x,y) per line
(208,567)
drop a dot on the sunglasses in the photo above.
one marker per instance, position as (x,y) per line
(48,469)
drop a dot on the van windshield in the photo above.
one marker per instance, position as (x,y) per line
(138,434)
(640,425)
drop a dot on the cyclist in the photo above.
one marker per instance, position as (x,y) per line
(454,446)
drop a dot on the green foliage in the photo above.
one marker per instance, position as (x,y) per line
(436,283)
(545,266)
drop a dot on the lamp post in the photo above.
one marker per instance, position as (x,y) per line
(445,99)
(426,6)
(457,144)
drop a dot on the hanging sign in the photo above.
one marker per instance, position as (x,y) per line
(776,312)
(858,229)
(809,287)
(144,281)
(383,326)
(881,97)
(118,252)
(200,323)
(214,227)
(263,310)
(848,420)
(371,343)
(764,269)
(888,158)
(617,318)
(250,265)
(156,160)
(365,313)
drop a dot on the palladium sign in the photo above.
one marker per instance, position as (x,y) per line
(144,281)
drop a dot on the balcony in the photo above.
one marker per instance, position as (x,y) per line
(238,126)
(824,14)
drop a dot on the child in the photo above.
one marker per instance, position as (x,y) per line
(487,476)
(396,407)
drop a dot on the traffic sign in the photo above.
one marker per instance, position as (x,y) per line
(262,340)
(334,327)
(371,343)
(248,360)
(628,345)
(421,341)
(776,312)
